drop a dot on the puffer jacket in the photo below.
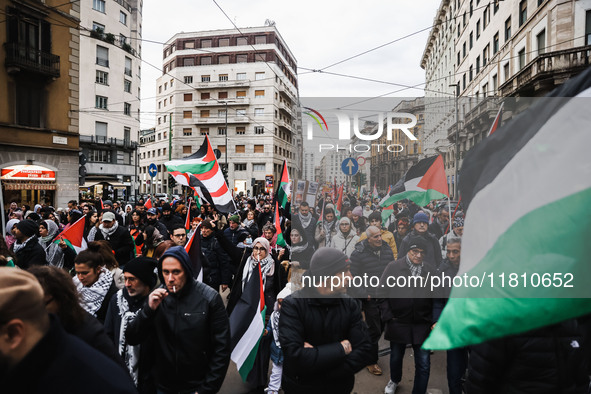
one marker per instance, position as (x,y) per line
(323,323)
(549,360)
(387,237)
(192,352)
(344,244)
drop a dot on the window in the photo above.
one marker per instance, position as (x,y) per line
(188,61)
(102,56)
(260,57)
(464,50)
(205,60)
(259,167)
(477,64)
(259,93)
(239,166)
(204,113)
(522,12)
(242,41)
(165,101)
(205,96)
(205,78)
(188,44)
(485,17)
(471,40)
(471,73)
(507,29)
(127,85)
(160,89)
(165,85)
(459,58)
(506,71)
(97,27)
(541,41)
(485,54)
(223,77)
(205,43)
(123,17)
(165,122)
(260,39)
(485,89)
(241,93)
(222,148)
(478,29)
(495,82)
(240,149)
(224,42)
(187,149)
(99,156)
(521,55)
(588,28)
(259,111)
(259,149)
(189,79)
(127,66)
(471,7)
(223,59)
(240,130)
(221,113)
(204,131)
(102,77)
(127,109)
(496,43)
(240,112)
(221,131)
(98,5)
(100,102)
(259,76)
(100,131)
(223,95)
(187,132)
(241,59)
(259,130)
(495,6)
(187,114)
(188,97)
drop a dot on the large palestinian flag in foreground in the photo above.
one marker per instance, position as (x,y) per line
(202,173)
(423,182)
(247,323)
(527,188)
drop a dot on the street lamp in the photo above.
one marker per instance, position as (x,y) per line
(457,142)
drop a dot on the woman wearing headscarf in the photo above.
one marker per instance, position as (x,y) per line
(127,215)
(136,229)
(9,238)
(91,222)
(152,238)
(57,254)
(326,228)
(346,238)
(300,249)
(253,258)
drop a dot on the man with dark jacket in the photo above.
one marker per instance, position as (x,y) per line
(440,224)
(218,270)
(321,331)
(304,220)
(420,224)
(169,218)
(36,353)
(370,258)
(265,217)
(118,237)
(234,230)
(188,318)
(408,313)
(27,249)
(123,307)
(152,220)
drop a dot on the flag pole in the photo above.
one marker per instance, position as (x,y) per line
(449,213)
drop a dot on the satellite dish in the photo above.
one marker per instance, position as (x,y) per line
(269,22)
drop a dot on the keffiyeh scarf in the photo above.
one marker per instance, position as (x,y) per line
(107,232)
(130,354)
(267,269)
(91,298)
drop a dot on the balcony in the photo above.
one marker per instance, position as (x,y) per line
(546,71)
(481,114)
(223,84)
(221,102)
(21,58)
(451,132)
(124,4)
(222,120)
(115,142)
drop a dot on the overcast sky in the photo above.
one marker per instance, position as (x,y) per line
(319,33)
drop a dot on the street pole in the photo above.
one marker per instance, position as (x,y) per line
(226,150)
(457,146)
(169,154)
(135,160)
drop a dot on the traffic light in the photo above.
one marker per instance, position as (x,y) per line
(171,181)
(82,169)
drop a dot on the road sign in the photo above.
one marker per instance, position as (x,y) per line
(152,170)
(350,166)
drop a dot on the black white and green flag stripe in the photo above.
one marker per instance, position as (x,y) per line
(527,189)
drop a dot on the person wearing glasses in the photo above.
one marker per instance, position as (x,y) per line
(178,235)
(407,312)
(420,227)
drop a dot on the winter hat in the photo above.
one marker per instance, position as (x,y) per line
(234,218)
(263,241)
(420,217)
(327,262)
(108,202)
(458,222)
(375,215)
(358,211)
(108,217)
(21,294)
(143,269)
(345,220)
(166,207)
(417,242)
(28,227)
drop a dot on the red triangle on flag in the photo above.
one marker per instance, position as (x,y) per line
(74,233)
(209,156)
(148,204)
(435,178)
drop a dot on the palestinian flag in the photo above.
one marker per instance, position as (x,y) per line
(148,204)
(102,205)
(283,190)
(247,323)
(387,211)
(74,235)
(193,248)
(375,193)
(280,240)
(202,173)
(497,123)
(527,189)
(188,218)
(423,182)
(339,204)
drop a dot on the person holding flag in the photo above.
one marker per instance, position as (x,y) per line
(58,253)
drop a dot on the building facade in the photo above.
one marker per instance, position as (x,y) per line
(39,140)
(237,87)
(330,168)
(110,49)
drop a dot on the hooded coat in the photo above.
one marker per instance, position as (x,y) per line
(192,349)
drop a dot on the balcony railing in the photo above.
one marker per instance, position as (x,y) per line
(117,142)
(33,60)
(124,4)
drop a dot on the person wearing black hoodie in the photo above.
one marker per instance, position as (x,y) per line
(184,363)
(27,249)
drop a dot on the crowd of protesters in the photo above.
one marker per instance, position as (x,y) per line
(133,301)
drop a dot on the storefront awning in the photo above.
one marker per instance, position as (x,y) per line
(94,182)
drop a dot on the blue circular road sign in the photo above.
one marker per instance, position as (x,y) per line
(152,170)
(350,166)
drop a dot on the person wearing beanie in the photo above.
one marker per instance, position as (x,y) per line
(40,356)
(183,363)
(457,230)
(420,223)
(317,360)
(358,221)
(140,279)
(346,238)
(27,249)
(408,312)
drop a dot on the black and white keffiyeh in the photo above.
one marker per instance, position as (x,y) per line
(415,269)
(275,327)
(267,268)
(130,354)
(91,298)
(107,232)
